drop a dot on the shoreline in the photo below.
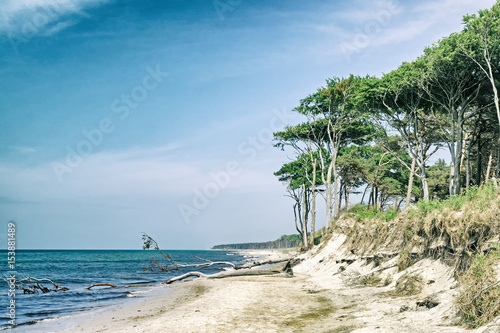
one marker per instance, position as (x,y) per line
(67,322)
(130,317)
(317,298)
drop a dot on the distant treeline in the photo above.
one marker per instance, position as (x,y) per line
(284,242)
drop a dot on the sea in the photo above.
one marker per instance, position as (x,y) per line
(78,269)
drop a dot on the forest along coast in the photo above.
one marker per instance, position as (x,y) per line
(388,285)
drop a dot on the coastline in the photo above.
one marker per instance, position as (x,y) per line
(315,299)
(135,287)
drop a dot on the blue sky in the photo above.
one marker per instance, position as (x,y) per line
(117,114)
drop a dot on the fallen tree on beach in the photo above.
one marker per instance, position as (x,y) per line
(235,270)
(286,269)
(150,243)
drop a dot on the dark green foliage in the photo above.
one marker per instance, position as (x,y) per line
(438,177)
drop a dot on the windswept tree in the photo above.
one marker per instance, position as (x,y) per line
(454,87)
(352,171)
(297,176)
(480,42)
(402,108)
(333,122)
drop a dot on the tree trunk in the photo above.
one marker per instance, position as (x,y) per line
(467,174)
(364,193)
(497,173)
(423,179)
(348,192)
(479,160)
(410,183)
(313,205)
(371,196)
(456,172)
(340,197)
(225,274)
(336,193)
(328,196)
(455,148)
(488,170)
(304,217)
(295,214)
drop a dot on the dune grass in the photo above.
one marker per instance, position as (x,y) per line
(452,229)
(478,301)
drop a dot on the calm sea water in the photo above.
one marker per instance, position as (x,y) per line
(77,269)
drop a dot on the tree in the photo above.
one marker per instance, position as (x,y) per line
(438,176)
(481,40)
(297,176)
(335,122)
(352,171)
(453,88)
(399,100)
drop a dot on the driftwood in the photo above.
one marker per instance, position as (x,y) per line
(156,266)
(268,262)
(236,272)
(150,243)
(32,285)
(101,284)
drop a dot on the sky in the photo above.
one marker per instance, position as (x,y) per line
(123,116)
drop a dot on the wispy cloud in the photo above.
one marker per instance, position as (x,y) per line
(128,176)
(29,18)
(23,150)
(368,28)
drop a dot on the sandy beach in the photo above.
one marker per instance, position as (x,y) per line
(315,299)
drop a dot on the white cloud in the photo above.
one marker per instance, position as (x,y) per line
(24,19)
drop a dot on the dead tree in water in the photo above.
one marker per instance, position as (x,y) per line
(31,285)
